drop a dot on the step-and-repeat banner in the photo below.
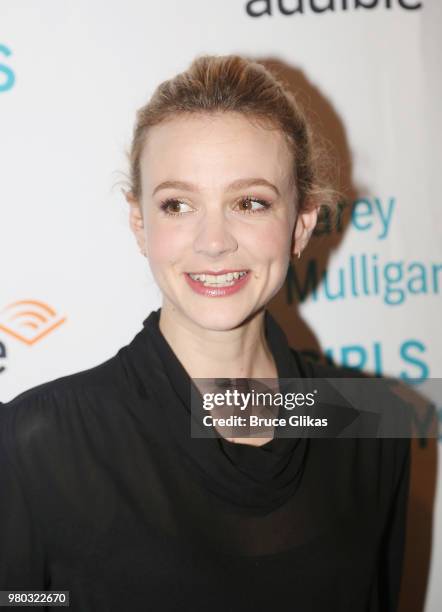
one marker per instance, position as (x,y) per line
(367,291)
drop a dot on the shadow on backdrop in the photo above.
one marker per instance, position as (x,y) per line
(285,309)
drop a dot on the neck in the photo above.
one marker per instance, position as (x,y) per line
(242,352)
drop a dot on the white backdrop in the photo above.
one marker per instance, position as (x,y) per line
(74,288)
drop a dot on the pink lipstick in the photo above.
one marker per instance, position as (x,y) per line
(228,287)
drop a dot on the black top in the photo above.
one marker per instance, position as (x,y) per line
(104,493)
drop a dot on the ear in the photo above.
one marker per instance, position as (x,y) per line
(136,220)
(304,226)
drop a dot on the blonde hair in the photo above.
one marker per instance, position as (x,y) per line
(232,83)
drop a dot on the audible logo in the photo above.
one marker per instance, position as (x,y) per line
(258,8)
(29,320)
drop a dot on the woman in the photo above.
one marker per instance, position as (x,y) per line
(104,491)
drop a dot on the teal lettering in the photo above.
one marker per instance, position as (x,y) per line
(347,352)
(362,208)
(418,283)
(436,269)
(310,282)
(385,218)
(396,277)
(9,74)
(423,369)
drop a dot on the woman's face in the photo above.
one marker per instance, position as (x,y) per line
(217,195)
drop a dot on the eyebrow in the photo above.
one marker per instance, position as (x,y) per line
(238,184)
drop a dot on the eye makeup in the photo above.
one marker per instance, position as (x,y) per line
(265,205)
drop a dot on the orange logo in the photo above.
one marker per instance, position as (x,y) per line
(29,320)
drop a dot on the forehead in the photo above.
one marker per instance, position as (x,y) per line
(214,149)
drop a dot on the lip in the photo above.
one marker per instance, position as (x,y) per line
(216,272)
(199,288)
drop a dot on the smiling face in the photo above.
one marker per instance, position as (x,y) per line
(217,196)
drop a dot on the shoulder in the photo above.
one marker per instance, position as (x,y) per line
(101,376)
(64,390)
(50,410)
(393,452)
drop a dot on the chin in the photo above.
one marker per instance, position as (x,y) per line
(218,318)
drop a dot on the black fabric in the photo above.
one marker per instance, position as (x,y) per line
(103,492)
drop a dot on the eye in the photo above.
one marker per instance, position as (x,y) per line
(250,201)
(171,207)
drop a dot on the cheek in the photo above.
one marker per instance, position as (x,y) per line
(165,244)
(271,240)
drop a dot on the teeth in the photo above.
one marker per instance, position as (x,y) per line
(218,279)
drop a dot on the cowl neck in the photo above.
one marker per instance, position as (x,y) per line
(253,478)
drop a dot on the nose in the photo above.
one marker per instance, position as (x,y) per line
(214,236)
